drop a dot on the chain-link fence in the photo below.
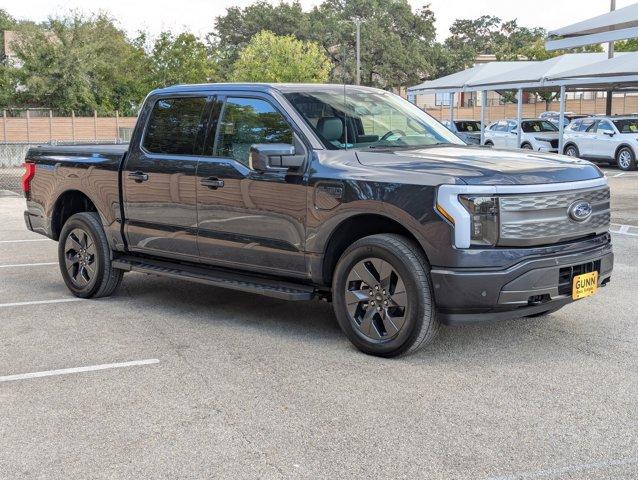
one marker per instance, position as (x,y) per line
(12,157)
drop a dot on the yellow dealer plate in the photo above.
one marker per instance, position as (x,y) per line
(584,285)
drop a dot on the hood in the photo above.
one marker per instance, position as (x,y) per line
(482,166)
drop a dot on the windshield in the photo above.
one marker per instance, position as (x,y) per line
(627,125)
(468,126)
(535,126)
(367,119)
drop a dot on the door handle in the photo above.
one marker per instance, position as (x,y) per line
(212,182)
(139,177)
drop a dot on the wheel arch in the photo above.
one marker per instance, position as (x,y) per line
(570,144)
(624,145)
(354,228)
(69,203)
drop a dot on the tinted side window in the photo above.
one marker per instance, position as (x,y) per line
(174,125)
(247,121)
(605,126)
(575,125)
(586,125)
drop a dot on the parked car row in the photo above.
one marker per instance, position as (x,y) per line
(601,139)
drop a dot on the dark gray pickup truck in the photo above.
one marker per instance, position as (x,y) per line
(349,194)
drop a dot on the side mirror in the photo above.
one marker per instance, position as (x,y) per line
(514,132)
(611,134)
(269,157)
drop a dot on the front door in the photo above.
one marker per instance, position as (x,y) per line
(605,140)
(159,177)
(249,219)
(586,138)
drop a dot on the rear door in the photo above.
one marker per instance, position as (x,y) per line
(250,219)
(158,179)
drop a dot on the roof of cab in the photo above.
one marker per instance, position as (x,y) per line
(264,87)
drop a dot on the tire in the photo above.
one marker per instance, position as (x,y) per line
(571,150)
(626,159)
(85,257)
(545,313)
(410,321)
(526,146)
(489,144)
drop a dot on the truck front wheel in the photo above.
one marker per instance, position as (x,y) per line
(382,296)
(85,257)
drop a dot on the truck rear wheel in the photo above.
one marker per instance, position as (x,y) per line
(85,257)
(382,296)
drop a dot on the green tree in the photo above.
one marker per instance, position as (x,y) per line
(83,64)
(396,42)
(272,58)
(630,45)
(181,59)
(234,30)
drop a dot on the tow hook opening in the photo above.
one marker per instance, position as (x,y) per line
(538,299)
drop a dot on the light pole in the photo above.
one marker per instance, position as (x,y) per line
(357,22)
(610,54)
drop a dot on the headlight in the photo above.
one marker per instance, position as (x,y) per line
(484,216)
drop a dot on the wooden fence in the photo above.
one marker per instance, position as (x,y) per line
(621,105)
(34,129)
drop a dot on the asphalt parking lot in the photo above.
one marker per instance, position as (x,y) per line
(171,379)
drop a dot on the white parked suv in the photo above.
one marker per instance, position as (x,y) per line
(539,135)
(604,139)
(467,130)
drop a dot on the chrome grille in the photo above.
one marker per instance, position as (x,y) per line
(538,219)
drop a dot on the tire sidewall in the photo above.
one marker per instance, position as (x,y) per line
(78,221)
(414,310)
(632,161)
(574,149)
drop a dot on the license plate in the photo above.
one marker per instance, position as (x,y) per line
(584,285)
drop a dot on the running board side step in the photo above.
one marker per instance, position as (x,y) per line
(217,277)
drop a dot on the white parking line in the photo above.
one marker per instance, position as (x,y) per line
(27,240)
(28,264)
(629,230)
(66,371)
(40,302)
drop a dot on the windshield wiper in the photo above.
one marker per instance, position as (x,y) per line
(410,146)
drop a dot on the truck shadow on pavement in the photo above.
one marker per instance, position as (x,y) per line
(178,301)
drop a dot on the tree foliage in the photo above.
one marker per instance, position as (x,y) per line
(630,45)
(181,59)
(85,63)
(272,58)
(79,63)
(400,58)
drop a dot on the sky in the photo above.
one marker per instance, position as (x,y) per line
(197,16)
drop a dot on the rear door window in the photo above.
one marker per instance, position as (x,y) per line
(174,126)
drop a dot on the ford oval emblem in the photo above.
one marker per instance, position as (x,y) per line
(580,210)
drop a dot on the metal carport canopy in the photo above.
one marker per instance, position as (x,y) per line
(534,74)
(620,71)
(457,82)
(616,25)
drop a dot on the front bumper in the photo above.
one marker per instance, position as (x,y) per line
(531,286)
